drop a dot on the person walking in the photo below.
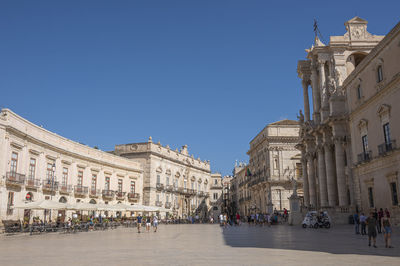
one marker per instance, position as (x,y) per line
(148,223)
(363,219)
(371,222)
(139,222)
(380,216)
(356,223)
(155,223)
(387,230)
(237,218)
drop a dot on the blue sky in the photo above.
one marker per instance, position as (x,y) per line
(210,74)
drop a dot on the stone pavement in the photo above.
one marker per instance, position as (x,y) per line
(200,245)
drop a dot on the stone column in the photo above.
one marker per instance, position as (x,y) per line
(305,182)
(323,194)
(311,181)
(322,82)
(306,100)
(340,172)
(316,93)
(330,175)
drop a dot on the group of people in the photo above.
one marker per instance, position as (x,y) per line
(376,222)
(255,218)
(149,221)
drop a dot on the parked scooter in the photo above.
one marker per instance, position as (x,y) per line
(310,220)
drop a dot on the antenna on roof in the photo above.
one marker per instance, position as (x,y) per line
(317,32)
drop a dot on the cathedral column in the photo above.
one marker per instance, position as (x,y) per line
(323,194)
(306,100)
(322,82)
(311,181)
(330,175)
(315,92)
(305,182)
(340,172)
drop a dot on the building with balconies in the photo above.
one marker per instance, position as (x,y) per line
(171,176)
(37,164)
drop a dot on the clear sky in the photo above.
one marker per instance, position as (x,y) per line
(210,74)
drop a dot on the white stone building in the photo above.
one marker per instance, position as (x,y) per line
(37,164)
(172,179)
(216,201)
(274,161)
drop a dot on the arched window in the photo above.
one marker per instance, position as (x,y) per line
(63,200)
(379,73)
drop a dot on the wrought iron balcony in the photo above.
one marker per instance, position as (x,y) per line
(191,192)
(169,188)
(159,203)
(32,183)
(168,205)
(13,178)
(387,147)
(133,196)
(206,194)
(49,186)
(108,193)
(120,195)
(160,186)
(81,190)
(65,189)
(94,193)
(364,157)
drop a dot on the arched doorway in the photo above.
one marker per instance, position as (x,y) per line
(61,213)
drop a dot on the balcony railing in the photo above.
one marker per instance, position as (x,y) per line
(49,185)
(81,190)
(13,178)
(169,188)
(133,196)
(168,205)
(120,195)
(206,194)
(191,191)
(65,189)
(364,157)
(158,203)
(32,183)
(387,147)
(108,193)
(159,186)
(94,192)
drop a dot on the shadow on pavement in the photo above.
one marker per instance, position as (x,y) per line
(337,240)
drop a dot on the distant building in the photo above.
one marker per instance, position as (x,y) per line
(216,201)
(274,162)
(171,179)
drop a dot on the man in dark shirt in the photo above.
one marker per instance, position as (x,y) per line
(371,222)
(139,222)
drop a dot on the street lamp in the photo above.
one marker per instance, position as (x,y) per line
(52,184)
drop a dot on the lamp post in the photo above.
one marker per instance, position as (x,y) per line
(52,184)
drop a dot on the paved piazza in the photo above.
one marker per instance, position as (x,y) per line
(199,245)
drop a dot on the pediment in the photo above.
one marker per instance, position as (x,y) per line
(384,109)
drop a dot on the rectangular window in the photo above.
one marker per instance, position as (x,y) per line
(380,74)
(215,196)
(192,185)
(198,187)
(167,181)
(10,203)
(119,185)
(80,178)
(132,186)
(371,197)
(167,199)
(94,182)
(32,168)
(215,181)
(14,163)
(184,184)
(359,93)
(386,132)
(158,179)
(49,171)
(65,176)
(107,183)
(365,143)
(393,188)
(158,197)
